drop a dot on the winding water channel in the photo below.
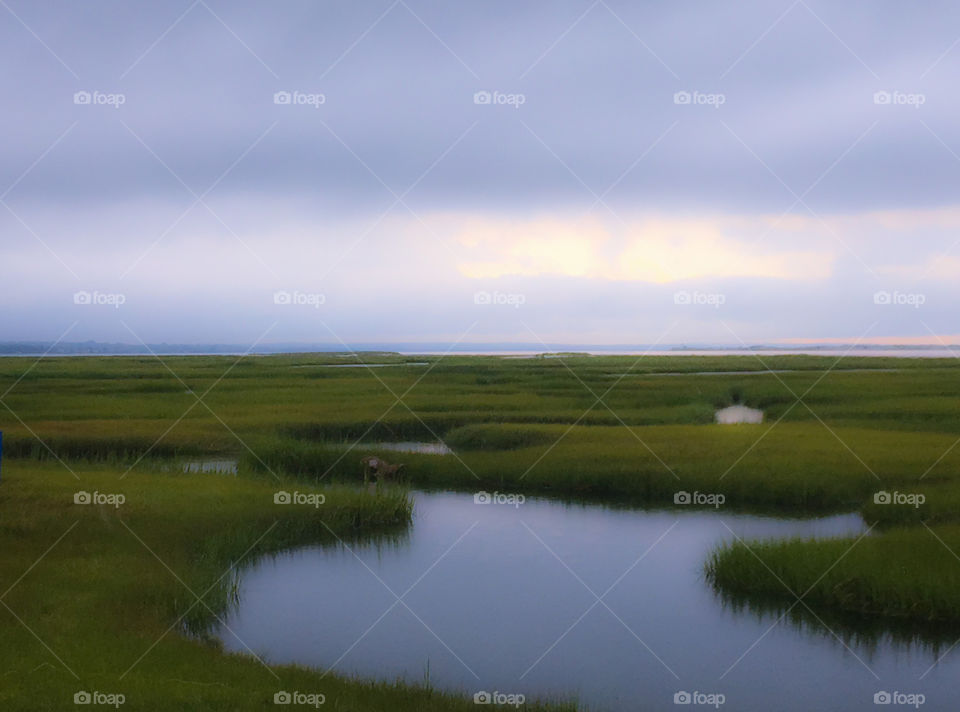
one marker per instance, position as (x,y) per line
(543,598)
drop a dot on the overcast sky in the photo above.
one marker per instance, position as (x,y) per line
(579,172)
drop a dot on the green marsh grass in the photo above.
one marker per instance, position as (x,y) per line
(620,429)
(792,466)
(113,600)
(907,573)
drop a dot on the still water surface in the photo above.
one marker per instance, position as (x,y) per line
(568,600)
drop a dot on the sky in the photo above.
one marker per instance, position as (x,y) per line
(592,172)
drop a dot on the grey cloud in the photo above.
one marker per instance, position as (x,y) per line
(399,98)
(398,80)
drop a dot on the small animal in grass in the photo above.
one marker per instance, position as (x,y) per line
(380,469)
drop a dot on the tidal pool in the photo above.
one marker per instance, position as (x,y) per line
(548,599)
(220,467)
(419,448)
(360,365)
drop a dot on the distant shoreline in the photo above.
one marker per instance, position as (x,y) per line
(64,351)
